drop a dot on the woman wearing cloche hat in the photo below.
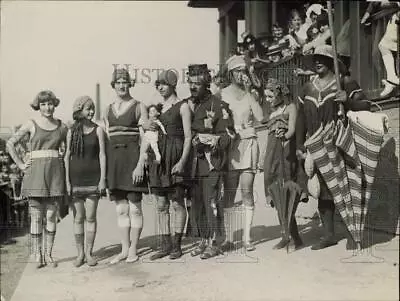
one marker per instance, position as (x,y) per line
(319,104)
(243,153)
(85,164)
(125,162)
(167,178)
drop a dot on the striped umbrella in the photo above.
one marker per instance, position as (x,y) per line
(337,160)
(330,163)
(361,146)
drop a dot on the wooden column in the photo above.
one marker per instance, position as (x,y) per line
(221,22)
(98,104)
(262,15)
(247,15)
(358,43)
(230,33)
(258,16)
(341,14)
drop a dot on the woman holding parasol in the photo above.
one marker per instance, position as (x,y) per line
(318,105)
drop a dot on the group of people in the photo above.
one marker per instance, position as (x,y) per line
(305,30)
(198,144)
(309,28)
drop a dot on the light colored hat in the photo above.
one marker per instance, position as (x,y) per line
(313,186)
(235,61)
(325,51)
(80,103)
(314,8)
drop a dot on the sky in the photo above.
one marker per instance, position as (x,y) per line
(68,47)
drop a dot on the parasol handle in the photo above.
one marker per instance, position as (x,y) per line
(335,58)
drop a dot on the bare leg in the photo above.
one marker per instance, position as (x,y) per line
(136,218)
(388,61)
(124,225)
(79,218)
(154,147)
(91,228)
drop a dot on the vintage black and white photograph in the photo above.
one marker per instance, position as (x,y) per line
(199,150)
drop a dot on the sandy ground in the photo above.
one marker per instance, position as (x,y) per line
(264,274)
(13,255)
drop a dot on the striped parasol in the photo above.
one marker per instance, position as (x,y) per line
(362,145)
(330,163)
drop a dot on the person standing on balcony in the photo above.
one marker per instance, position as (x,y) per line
(379,11)
(44,176)
(125,163)
(388,46)
(318,104)
(243,152)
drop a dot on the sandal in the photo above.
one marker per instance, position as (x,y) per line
(38,260)
(249,247)
(228,246)
(198,250)
(50,261)
(211,251)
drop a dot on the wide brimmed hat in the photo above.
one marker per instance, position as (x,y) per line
(44,96)
(315,8)
(169,77)
(323,51)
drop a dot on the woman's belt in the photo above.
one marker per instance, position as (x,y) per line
(246,133)
(45,153)
(119,130)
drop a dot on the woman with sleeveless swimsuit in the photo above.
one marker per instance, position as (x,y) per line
(168,179)
(85,164)
(125,163)
(44,176)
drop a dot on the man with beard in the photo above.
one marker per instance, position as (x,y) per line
(212,131)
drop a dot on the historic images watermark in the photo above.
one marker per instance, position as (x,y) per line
(149,75)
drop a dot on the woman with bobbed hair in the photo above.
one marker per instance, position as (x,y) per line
(280,155)
(44,178)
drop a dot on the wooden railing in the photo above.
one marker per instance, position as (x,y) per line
(284,71)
